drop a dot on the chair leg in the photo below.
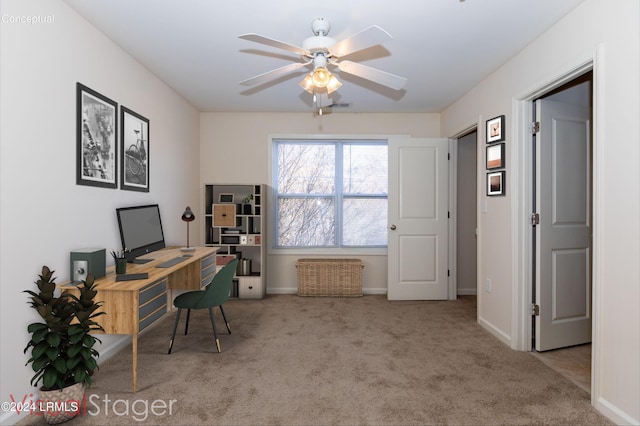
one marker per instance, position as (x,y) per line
(213,324)
(225,319)
(175,327)
(186,327)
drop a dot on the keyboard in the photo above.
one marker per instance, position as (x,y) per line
(171,262)
(131,277)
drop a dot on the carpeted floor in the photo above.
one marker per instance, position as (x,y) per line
(333,361)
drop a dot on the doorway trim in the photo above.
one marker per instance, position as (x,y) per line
(453,207)
(521,208)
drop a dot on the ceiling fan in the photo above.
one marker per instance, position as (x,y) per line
(321,52)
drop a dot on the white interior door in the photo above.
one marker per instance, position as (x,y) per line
(563,236)
(418,223)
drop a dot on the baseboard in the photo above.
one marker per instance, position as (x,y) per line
(467,291)
(294,290)
(113,348)
(614,414)
(499,334)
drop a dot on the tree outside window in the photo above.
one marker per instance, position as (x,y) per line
(330,193)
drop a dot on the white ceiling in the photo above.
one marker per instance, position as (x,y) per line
(443,47)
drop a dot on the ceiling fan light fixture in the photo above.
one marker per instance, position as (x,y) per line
(321,77)
(307,84)
(333,85)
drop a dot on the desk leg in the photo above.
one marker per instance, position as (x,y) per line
(134,345)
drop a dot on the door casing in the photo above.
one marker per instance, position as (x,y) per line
(521,185)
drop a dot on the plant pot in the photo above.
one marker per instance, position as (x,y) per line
(60,405)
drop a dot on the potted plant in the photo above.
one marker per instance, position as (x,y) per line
(246,204)
(62,349)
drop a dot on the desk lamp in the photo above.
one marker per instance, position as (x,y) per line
(188,216)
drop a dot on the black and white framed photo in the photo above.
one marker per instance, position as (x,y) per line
(495,156)
(97,151)
(134,138)
(495,129)
(495,183)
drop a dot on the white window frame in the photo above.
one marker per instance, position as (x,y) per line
(271,220)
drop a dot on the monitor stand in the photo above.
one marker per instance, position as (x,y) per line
(140,261)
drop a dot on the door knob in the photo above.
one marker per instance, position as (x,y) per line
(393,227)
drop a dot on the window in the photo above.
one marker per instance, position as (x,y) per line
(330,193)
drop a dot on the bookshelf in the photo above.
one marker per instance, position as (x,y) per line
(235,224)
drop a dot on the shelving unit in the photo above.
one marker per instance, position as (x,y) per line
(235,223)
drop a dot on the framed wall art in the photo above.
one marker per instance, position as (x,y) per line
(134,138)
(495,156)
(495,129)
(96,152)
(495,183)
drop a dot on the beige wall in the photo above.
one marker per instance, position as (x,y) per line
(608,34)
(235,148)
(43,214)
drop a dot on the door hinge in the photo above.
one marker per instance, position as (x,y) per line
(535,310)
(534,127)
(448,272)
(535,219)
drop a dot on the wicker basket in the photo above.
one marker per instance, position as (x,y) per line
(330,277)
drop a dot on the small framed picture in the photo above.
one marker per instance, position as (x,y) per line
(495,156)
(495,183)
(134,138)
(495,129)
(97,155)
(225,198)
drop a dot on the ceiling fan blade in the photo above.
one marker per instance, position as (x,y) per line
(274,43)
(378,76)
(371,36)
(270,75)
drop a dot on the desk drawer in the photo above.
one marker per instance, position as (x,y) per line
(152,303)
(208,260)
(207,274)
(152,318)
(152,290)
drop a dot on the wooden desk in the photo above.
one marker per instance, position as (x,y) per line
(133,306)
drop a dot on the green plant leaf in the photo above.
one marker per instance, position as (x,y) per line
(39,363)
(40,349)
(74,350)
(52,353)
(50,377)
(36,377)
(72,362)
(86,353)
(75,339)
(39,335)
(75,329)
(91,364)
(36,326)
(88,340)
(79,374)
(53,339)
(60,365)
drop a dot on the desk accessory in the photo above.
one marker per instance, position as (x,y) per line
(88,261)
(188,216)
(131,277)
(120,261)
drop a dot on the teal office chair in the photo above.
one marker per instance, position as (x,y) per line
(215,294)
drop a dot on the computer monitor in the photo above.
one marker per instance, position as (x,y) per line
(140,230)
